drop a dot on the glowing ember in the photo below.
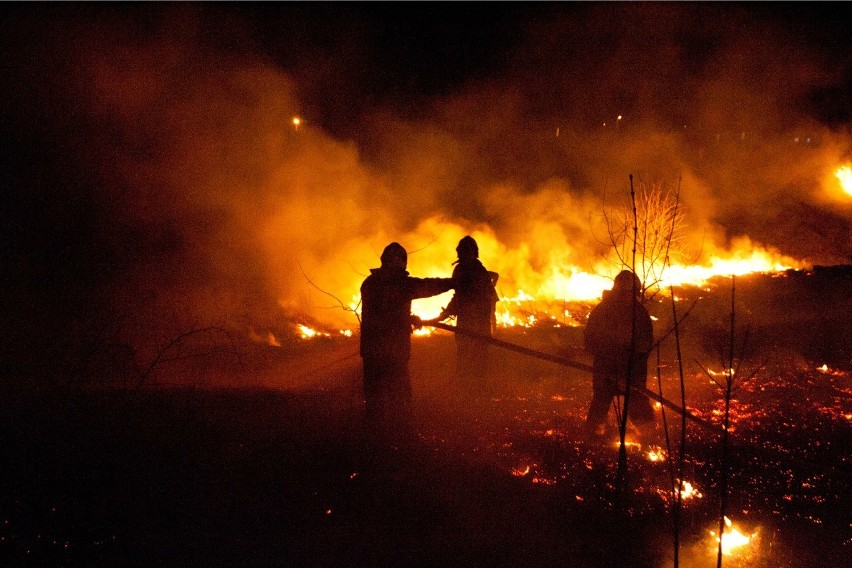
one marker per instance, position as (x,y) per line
(521,472)
(629,444)
(688,491)
(826,370)
(728,372)
(309,333)
(306,332)
(656,454)
(844,174)
(732,538)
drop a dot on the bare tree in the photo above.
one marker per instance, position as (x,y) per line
(647,232)
(643,235)
(646,235)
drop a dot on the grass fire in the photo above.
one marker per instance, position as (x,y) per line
(346,285)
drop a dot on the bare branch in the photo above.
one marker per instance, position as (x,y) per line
(163,356)
(653,224)
(424,247)
(340,302)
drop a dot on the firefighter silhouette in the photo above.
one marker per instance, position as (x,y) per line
(619,336)
(386,326)
(473,306)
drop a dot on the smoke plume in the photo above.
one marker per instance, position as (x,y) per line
(169,136)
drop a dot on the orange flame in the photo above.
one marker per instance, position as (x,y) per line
(540,275)
(309,333)
(732,539)
(688,491)
(844,174)
(656,454)
(521,471)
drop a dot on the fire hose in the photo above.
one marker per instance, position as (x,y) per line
(574,365)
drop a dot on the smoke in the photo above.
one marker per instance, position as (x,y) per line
(712,101)
(206,198)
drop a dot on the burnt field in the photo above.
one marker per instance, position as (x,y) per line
(264,461)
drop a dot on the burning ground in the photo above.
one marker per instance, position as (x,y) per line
(194,475)
(193,194)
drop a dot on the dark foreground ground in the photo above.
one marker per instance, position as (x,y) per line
(197,475)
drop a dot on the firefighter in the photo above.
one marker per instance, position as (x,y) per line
(619,336)
(386,326)
(473,306)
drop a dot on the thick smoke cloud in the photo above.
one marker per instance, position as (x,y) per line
(201,196)
(714,98)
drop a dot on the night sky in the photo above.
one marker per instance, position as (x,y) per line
(151,163)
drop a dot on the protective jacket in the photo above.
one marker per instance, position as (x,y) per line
(610,328)
(620,336)
(474,299)
(386,296)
